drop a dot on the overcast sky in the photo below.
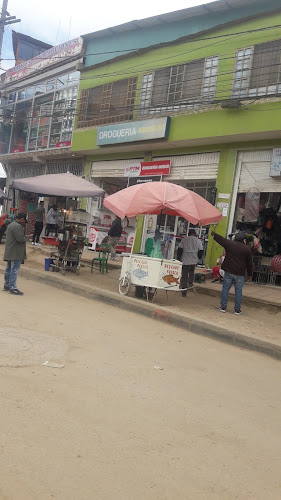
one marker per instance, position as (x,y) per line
(55,21)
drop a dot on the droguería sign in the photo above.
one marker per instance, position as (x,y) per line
(145,130)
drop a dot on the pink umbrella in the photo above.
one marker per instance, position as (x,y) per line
(153,197)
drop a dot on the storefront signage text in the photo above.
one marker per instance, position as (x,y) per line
(157,128)
(133,181)
(148,168)
(45,59)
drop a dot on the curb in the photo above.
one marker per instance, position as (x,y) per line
(152,311)
(269,306)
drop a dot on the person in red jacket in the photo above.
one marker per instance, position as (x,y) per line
(237,261)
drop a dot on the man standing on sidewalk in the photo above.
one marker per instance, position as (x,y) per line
(237,261)
(15,253)
(115,232)
(190,251)
(39,223)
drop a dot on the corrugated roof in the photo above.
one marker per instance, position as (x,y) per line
(200,10)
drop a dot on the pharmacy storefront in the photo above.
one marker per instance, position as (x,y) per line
(197,172)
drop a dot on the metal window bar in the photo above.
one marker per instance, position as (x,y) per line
(74,167)
(179,87)
(258,71)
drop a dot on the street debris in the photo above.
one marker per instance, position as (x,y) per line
(50,364)
(156,367)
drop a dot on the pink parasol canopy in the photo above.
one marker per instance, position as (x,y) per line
(153,197)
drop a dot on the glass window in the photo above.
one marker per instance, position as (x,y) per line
(12,97)
(21,94)
(50,85)
(40,89)
(5,135)
(74,77)
(29,92)
(21,126)
(62,81)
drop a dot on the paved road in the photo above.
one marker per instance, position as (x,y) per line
(111,425)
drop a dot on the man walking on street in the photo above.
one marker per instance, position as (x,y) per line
(39,223)
(237,261)
(115,232)
(190,251)
(15,253)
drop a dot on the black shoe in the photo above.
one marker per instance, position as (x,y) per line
(238,313)
(183,294)
(220,309)
(15,292)
(215,281)
(6,288)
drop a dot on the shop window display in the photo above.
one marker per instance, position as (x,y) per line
(21,126)
(40,116)
(266,230)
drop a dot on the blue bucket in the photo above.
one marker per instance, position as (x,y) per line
(48,263)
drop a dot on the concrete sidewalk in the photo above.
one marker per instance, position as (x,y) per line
(259,324)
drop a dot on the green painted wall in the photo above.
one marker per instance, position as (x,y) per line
(226,172)
(196,125)
(219,124)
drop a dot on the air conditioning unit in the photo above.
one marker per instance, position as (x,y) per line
(231,104)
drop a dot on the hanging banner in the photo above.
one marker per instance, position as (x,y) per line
(252,205)
(148,168)
(45,59)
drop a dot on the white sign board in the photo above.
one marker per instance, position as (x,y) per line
(275,168)
(224,196)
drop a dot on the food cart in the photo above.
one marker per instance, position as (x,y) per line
(154,198)
(150,273)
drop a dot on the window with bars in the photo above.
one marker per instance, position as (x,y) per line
(109,103)
(203,188)
(258,70)
(179,87)
(75,167)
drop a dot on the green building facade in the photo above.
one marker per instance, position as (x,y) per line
(221,88)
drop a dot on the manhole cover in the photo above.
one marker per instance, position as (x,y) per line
(24,347)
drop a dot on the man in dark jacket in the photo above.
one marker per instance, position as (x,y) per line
(115,232)
(237,261)
(15,253)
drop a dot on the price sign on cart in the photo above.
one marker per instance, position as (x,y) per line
(93,237)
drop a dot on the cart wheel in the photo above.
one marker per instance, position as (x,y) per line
(124,285)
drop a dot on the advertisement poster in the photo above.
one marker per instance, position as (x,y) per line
(45,59)
(148,168)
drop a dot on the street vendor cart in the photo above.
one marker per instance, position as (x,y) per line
(70,248)
(157,274)
(154,198)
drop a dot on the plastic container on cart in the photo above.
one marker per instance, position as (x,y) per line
(48,263)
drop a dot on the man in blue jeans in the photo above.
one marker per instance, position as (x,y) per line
(15,253)
(237,261)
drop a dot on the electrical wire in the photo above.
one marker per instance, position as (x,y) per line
(265,28)
(128,70)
